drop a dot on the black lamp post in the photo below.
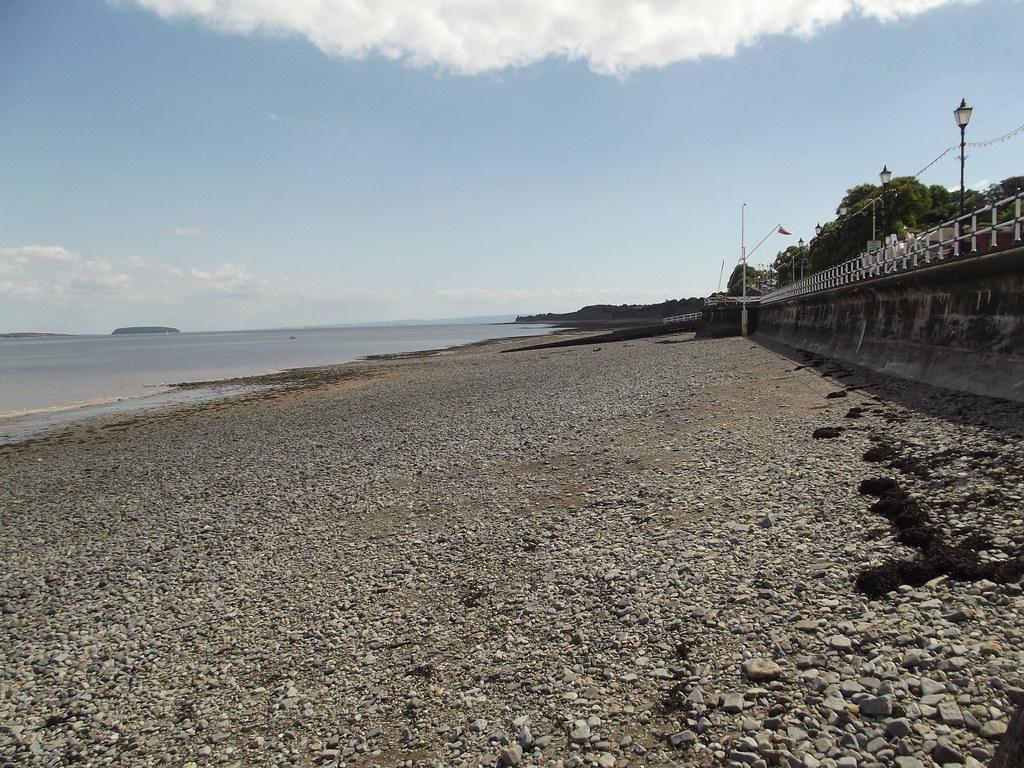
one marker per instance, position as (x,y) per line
(800,245)
(885,175)
(963,117)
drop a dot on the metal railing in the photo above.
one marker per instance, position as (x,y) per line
(683,318)
(987,229)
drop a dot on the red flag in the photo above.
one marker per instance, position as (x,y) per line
(784,231)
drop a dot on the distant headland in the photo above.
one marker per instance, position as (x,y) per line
(625,314)
(144,329)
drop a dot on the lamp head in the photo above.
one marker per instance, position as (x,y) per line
(885,174)
(800,243)
(817,229)
(963,114)
(842,210)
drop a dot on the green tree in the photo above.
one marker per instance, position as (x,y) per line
(787,263)
(754,278)
(909,206)
(1004,189)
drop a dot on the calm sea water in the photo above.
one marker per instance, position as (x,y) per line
(47,374)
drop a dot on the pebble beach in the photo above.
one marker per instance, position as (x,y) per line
(612,555)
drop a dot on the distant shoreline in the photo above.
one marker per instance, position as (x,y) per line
(31,335)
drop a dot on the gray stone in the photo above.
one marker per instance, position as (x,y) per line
(747,758)
(945,752)
(682,739)
(876,706)
(761,669)
(898,728)
(913,659)
(840,642)
(525,738)
(580,733)
(993,729)
(511,756)
(877,744)
(733,703)
(949,713)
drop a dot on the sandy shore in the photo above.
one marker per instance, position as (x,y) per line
(632,554)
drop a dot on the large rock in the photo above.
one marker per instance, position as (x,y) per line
(580,733)
(511,756)
(876,706)
(761,669)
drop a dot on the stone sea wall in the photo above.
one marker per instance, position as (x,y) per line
(958,324)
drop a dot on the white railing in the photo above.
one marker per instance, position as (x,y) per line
(972,234)
(683,318)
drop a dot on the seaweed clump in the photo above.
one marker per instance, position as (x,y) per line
(937,557)
(879,453)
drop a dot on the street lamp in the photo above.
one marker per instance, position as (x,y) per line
(817,229)
(842,210)
(885,175)
(963,117)
(800,246)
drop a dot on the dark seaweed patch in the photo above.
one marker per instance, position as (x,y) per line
(937,557)
(879,453)
(878,486)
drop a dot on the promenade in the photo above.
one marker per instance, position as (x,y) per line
(628,554)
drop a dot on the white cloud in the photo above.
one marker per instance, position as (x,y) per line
(20,256)
(94,276)
(472,36)
(56,273)
(231,279)
(186,231)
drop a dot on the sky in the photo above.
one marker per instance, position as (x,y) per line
(264,163)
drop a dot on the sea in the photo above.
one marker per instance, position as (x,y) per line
(49,381)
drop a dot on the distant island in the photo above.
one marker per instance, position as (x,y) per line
(144,329)
(623,314)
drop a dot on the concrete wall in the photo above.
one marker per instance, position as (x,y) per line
(725,321)
(956,324)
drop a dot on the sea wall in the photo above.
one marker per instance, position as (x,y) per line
(721,321)
(958,324)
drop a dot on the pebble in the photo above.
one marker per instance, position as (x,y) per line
(406,569)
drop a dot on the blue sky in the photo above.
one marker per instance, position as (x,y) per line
(166,165)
